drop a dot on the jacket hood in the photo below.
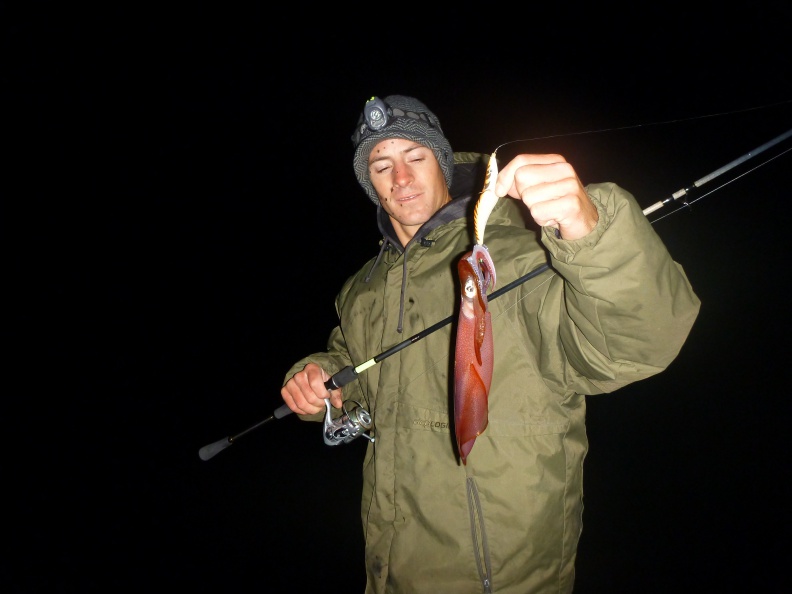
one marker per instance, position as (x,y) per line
(469,172)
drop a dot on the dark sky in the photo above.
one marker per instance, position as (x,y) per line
(181,210)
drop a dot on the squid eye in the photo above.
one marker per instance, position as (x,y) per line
(470,288)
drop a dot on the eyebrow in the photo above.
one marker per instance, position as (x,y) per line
(404,152)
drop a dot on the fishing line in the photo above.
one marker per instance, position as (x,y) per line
(660,123)
(350,373)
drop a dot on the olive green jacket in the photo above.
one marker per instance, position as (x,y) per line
(611,309)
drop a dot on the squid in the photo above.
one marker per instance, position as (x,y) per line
(474,357)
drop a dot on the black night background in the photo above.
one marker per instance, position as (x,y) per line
(180,210)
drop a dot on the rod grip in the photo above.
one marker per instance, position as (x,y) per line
(282,411)
(342,378)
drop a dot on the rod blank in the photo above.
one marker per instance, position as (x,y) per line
(710,176)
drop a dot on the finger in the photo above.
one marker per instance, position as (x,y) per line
(291,395)
(572,213)
(561,194)
(526,169)
(318,378)
(552,213)
(337,398)
(303,393)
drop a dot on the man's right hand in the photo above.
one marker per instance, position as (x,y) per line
(305,392)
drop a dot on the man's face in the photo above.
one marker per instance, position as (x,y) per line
(409,182)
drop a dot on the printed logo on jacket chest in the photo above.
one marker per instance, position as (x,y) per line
(431,425)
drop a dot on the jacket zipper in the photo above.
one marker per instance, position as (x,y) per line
(479,535)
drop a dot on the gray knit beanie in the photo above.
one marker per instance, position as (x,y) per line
(398,117)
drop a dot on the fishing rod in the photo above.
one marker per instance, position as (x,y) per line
(354,422)
(710,176)
(351,423)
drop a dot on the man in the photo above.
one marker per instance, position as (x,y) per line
(611,308)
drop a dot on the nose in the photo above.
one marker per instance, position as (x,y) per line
(402,176)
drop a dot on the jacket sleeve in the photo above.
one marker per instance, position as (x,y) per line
(628,307)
